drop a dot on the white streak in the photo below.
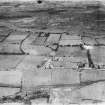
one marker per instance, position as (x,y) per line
(87,47)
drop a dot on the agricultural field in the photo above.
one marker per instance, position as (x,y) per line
(52,53)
